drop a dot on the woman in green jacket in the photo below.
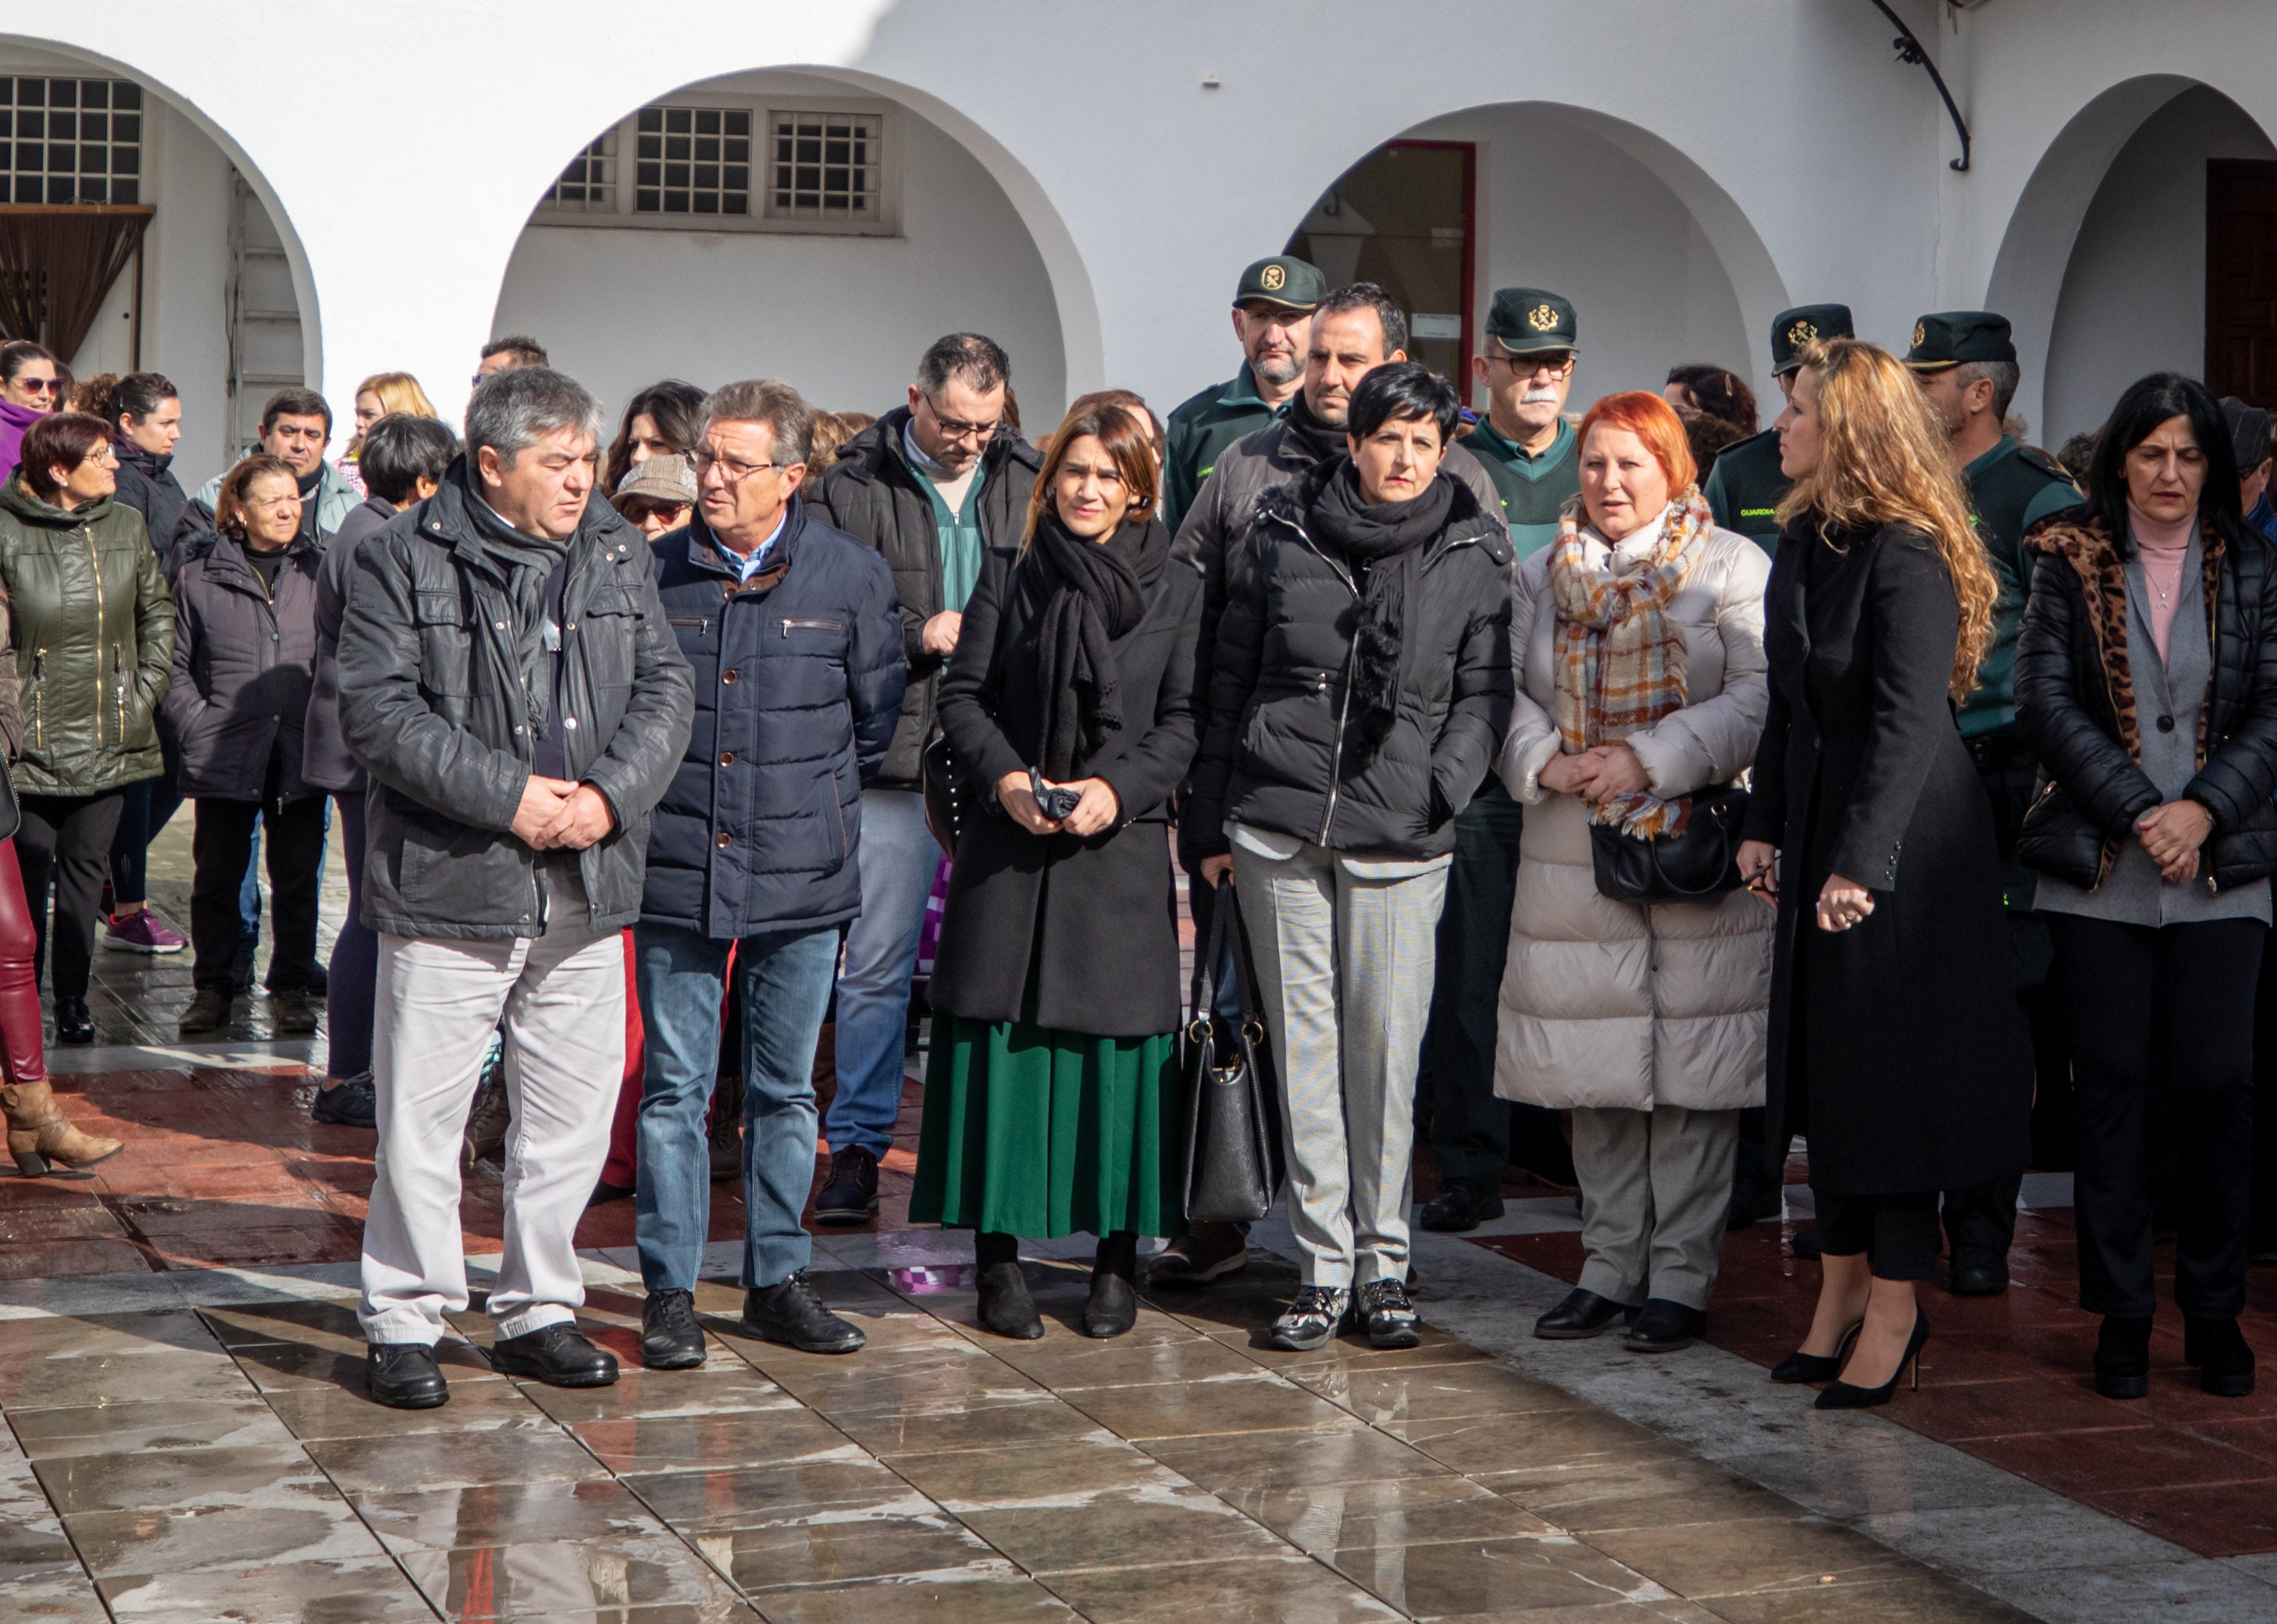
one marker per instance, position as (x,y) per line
(93,628)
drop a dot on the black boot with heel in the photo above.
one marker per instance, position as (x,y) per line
(1006,1308)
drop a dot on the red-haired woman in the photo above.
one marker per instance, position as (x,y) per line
(1641,685)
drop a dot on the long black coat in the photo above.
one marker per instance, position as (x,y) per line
(1102,912)
(1897,1045)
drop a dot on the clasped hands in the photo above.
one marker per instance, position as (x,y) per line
(2172,833)
(1097,811)
(1841,903)
(557,813)
(1596,776)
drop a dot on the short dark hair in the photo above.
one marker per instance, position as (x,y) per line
(526,351)
(2148,402)
(229,500)
(61,439)
(2077,454)
(769,400)
(1399,390)
(16,352)
(1717,392)
(295,402)
(980,361)
(1366,296)
(138,394)
(401,450)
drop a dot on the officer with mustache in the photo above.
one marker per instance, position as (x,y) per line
(1526,445)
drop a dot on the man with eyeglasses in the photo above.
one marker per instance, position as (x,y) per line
(759,848)
(1272,319)
(932,485)
(1527,447)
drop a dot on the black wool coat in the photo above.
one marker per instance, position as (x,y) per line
(1098,917)
(1897,1045)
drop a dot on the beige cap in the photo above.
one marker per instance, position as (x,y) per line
(660,479)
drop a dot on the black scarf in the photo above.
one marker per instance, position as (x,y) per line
(1309,440)
(1093,593)
(1383,543)
(529,564)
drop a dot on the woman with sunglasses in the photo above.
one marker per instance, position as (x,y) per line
(31,386)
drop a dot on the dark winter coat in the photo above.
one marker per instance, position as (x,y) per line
(242,668)
(325,761)
(147,485)
(1282,751)
(798,684)
(94,631)
(1099,916)
(873,495)
(1895,1045)
(2076,699)
(435,703)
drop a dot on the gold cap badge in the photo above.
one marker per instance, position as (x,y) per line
(1541,318)
(1921,335)
(1273,278)
(1800,334)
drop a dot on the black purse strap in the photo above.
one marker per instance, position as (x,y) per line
(1245,993)
(1203,1013)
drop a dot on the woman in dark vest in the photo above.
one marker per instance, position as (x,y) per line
(1895,1040)
(1052,1089)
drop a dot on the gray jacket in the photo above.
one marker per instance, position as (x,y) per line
(241,669)
(324,758)
(444,690)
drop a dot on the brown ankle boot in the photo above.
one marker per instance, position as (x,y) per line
(39,1133)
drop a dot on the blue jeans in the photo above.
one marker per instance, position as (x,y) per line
(899,858)
(785,985)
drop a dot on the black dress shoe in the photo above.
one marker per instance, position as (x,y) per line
(559,1355)
(793,1315)
(1113,1308)
(1840,1395)
(670,1337)
(1979,1276)
(1460,1205)
(1805,1244)
(1582,1314)
(1006,1308)
(1798,1368)
(73,1024)
(404,1375)
(1662,1327)
(2220,1351)
(2122,1357)
(851,1194)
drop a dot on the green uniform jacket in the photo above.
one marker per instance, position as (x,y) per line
(94,632)
(1745,488)
(2013,487)
(1202,427)
(1535,490)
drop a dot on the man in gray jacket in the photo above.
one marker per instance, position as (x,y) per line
(509,683)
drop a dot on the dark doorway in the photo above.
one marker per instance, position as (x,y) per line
(1402,218)
(2240,355)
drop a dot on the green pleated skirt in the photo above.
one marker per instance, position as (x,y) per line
(1039,1133)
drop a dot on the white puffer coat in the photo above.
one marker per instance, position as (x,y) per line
(1608,1003)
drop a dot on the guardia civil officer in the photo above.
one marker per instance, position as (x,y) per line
(1745,487)
(1965,362)
(1273,310)
(1526,444)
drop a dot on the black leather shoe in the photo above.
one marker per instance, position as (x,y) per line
(404,1375)
(2220,1351)
(73,1024)
(851,1194)
(1979,1276)
(1805,1244)
(2122,1357)
(793,1315)
(1113,1308)
(1006,1308)
(559,1355)
(1582,1314)
(670,1337)
(1460,1205)
(1662,1327)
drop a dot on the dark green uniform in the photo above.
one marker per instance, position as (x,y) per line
(1202,426)
(2013,487)
(1534,488)
(1745,488)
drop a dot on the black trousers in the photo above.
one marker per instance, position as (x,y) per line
(2141,1000)
(221,844)
(65,840)
(1898,1233)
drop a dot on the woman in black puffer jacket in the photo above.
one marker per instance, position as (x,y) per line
(1360,690)
(2146,680)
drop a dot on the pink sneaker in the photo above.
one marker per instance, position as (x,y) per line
(140,932)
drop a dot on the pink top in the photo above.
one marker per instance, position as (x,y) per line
(2162,548)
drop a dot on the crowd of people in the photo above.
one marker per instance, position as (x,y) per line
(1608,791)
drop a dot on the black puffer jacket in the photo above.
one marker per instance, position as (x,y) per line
(1281,751)
(2076,699)
(242,658)
(147,485)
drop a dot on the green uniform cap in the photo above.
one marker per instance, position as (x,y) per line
(1806,324)
(1526,321)
(1283,281)
(1950,337)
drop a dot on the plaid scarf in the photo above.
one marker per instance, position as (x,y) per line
(1620,660)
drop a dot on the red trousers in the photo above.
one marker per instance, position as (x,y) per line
(20,993)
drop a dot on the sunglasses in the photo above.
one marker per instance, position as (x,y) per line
(41,385)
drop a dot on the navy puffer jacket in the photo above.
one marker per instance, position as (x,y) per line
(798,688)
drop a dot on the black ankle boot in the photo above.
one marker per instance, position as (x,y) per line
(2216,1348)
(1114,1306)
(1006,1308)
(2122,1357)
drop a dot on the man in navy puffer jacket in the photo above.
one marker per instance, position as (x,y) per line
(795,644)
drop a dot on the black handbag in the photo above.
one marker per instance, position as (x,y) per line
(1233,1118)
(945,792)
(1701,862)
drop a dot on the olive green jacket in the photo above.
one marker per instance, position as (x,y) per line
(93,628)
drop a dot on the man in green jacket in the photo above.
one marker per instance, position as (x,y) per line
(1526,445)
(1273,310)
(1745,487)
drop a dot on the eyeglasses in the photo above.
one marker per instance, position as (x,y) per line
(1556,365)
(953,429)
(731,471)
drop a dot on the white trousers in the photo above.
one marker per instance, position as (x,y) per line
(561,999)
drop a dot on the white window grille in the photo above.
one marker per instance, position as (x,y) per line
(69,140)
(825,166)
(693,161)
(588,185)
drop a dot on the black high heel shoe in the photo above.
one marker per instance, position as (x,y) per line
(1839,1395)
(1798,1369)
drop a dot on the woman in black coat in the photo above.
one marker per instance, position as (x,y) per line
(1053,1087)
(2146,680)
(1895,1041)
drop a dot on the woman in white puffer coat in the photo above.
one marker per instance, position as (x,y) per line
(1638,637)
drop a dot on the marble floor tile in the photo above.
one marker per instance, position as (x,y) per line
(970,1479)
(327,1324)
(65,1598)
(1436,1392)
(734,1438)
(494,1514)
(980,1426)
(762,1496)
(720,1611)
(1323,1518)
(150,1373)
(944,1381)
(2189,1590)
(1884,1473)
(1257,1402)
(1286,1459)
(126,1429)
(1480,1576)
(1631,1494)
(1068,1366)
(954,1597)
(2018,1539)
(30,1336)
(869,1381)
(277,1476)
(286,1367)
(567,1576)
(441,1459)
(143,1542)
(1256,1591)
(320,1413)
(1703,1559)
(1121,1528)
(354,1590)
(719,1385)
(1503,1443)
(1918,1599)
(757,1559)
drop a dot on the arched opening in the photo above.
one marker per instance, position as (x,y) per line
(785,224)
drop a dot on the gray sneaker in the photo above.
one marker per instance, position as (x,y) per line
(1391,1318)
(1317,1315)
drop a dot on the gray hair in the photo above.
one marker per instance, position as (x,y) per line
(511,411)
(768,400)
(2006,375)
(980,361)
